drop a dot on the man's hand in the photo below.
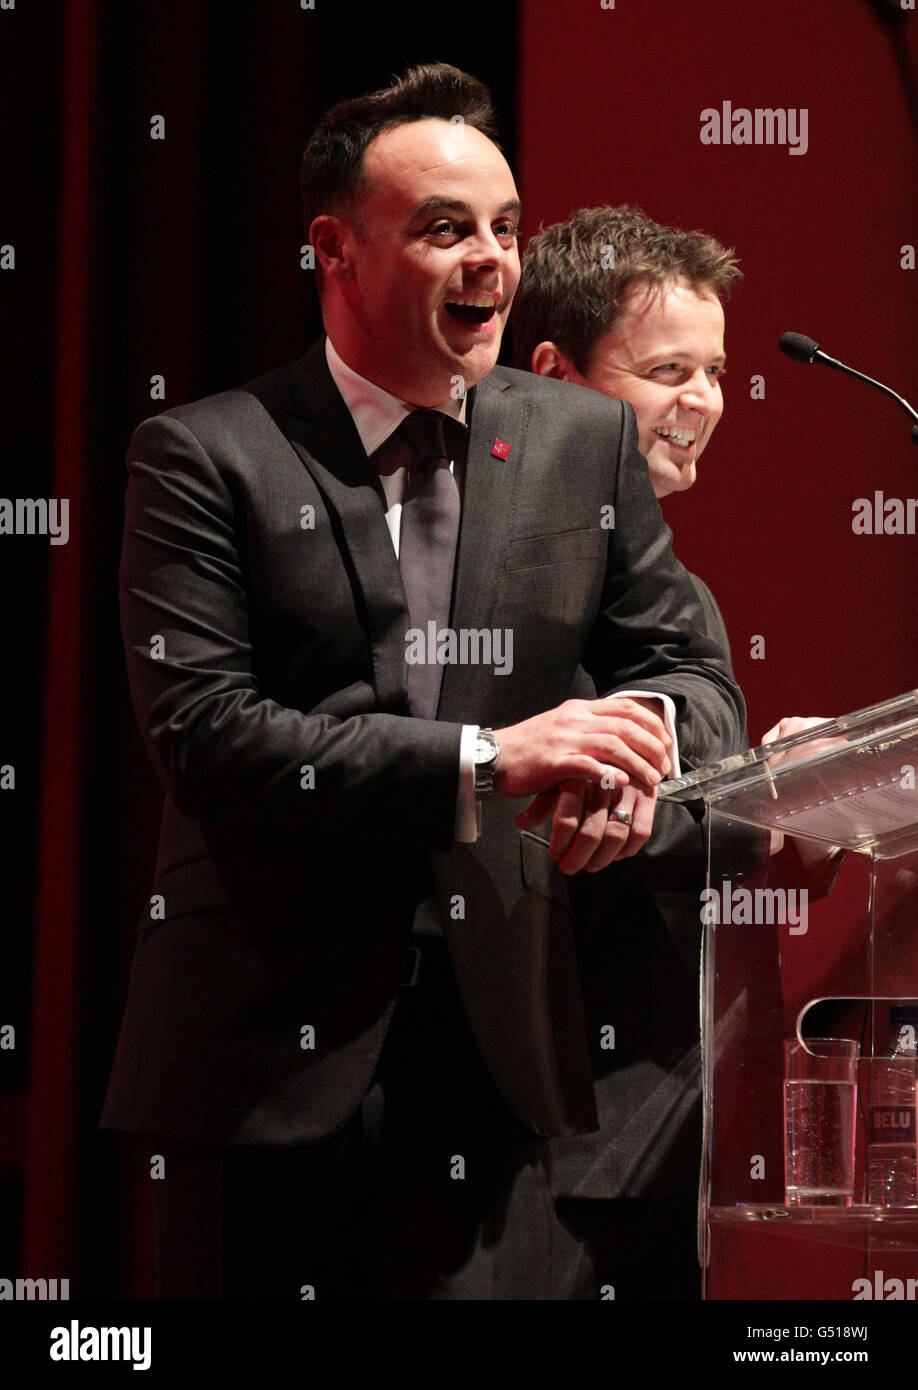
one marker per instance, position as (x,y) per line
(617,739)
(792,724)
(586,835)
(813,854)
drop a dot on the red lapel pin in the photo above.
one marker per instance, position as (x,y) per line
(500,450)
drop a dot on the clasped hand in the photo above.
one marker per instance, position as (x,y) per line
(581,763)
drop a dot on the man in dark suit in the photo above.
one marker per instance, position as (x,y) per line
(358,595)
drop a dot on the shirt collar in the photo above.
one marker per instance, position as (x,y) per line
(375,412)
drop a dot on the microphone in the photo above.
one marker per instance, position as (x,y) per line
(803,349)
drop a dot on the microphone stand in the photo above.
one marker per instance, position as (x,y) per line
(825,360)
(887,390)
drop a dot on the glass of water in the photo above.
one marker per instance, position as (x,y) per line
(820,1101)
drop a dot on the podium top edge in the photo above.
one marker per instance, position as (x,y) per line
(896,717)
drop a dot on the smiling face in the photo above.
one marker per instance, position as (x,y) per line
(418,287)
(665,355)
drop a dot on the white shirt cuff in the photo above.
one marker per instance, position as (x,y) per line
(467,825)
(669,719)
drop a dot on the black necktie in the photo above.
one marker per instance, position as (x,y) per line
(427,548)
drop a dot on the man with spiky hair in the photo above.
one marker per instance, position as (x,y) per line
(614,301)
(356,1017)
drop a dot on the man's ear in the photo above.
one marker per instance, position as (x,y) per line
(549,360)
(331,238)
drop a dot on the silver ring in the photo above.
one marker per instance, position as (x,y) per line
(623,816)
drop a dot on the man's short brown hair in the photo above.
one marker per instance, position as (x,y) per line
(576,275)
(331,169)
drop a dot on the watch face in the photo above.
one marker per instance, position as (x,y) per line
(485,751)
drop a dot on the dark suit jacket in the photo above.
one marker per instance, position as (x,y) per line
(265,645)
(638,933)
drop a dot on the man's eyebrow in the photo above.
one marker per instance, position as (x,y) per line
(457,205)
(719,361)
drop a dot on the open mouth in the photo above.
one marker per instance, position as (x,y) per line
(472,310)
(682,437)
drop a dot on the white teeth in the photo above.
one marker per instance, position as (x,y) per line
(678,436)
(474,302)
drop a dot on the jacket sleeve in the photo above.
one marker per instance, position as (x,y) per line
(222,749)
(651,630)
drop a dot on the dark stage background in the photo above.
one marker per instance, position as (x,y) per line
(137,257)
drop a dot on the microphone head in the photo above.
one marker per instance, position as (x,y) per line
(798,346)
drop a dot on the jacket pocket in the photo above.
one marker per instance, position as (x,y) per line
(566,547)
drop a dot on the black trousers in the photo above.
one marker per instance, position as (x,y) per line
(433,1190)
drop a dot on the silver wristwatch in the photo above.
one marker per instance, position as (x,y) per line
(487,752)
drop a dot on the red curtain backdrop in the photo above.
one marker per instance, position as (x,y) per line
(609,112)
(52,1127)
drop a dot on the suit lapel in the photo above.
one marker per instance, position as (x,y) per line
(314,417)
(321,429)
(487,511)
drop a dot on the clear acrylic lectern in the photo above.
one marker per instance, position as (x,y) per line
(811,934)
